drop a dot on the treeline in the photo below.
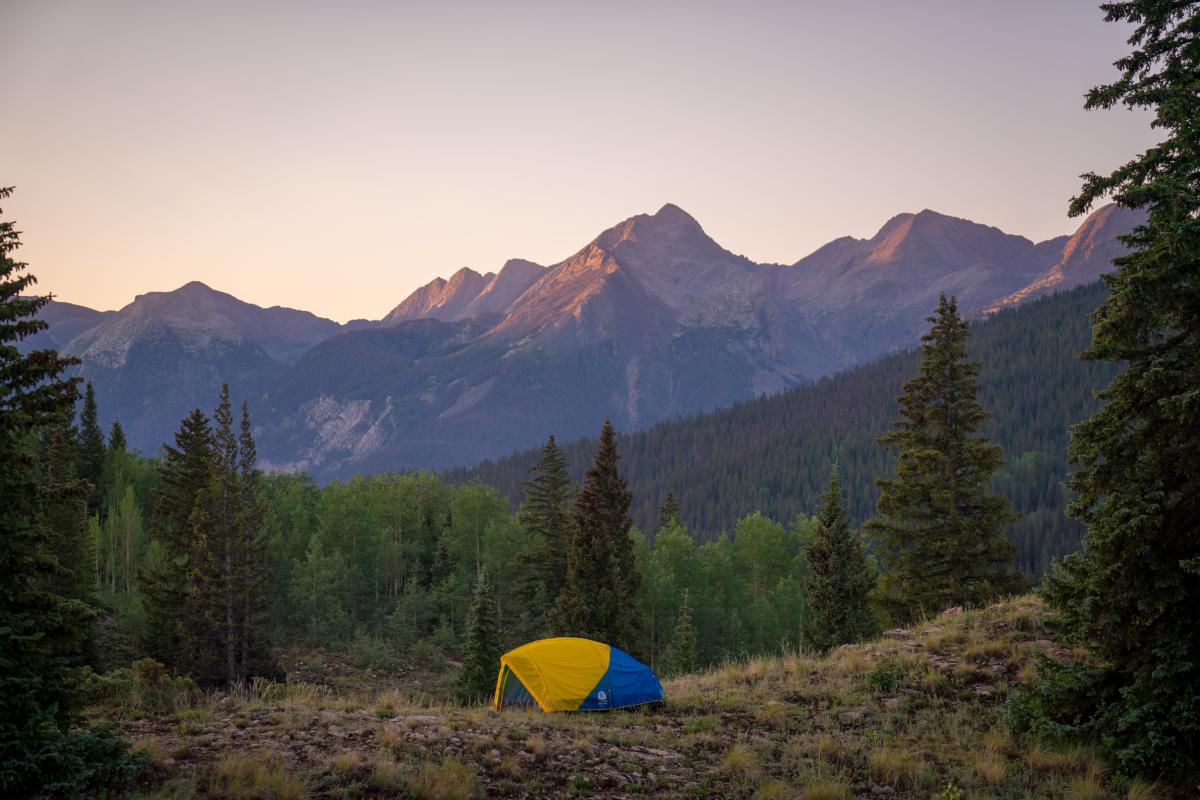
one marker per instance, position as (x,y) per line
(386,566)
(773,454)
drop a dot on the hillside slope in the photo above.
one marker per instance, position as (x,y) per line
(773,454)
(902,717)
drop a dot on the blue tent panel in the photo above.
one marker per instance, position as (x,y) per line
(628,682)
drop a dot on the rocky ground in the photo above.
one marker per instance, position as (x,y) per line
(916,714)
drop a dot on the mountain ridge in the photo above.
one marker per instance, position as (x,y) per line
(651,319)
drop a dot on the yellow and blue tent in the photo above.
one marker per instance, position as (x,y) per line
(569,674)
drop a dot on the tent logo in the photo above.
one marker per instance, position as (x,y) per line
(602,698)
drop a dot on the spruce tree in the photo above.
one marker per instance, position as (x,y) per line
(546,513)
(669,511)
(91,449)
(840,581)
(254,646)
(183,474)
(599,598)
(1131,595)
(116,438)
(940,527)
(221,531)
(481,661)
(42,633)
(682,656)
(64,514)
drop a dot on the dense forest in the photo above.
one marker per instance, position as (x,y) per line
(387,563)
(772,455)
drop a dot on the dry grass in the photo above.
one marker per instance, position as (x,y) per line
(536,744)
(773,714)
(509,767)
(826,789)
(1075,759)
(989,768)
(389,738)
(347,763)
(776,790)
(1086,787)
(153,747)
(449,780)
(894,766)
(1140,790)
(998,741)
(742,763)
(255,776)
(385,772)
(833,749)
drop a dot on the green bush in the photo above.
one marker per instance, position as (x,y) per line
(111,688)
(1059,705)
(371,652)
(884,678)
(153,689)
(77,764)
(427,654)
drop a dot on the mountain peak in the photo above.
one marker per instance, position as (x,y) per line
(672,214)
(464,274)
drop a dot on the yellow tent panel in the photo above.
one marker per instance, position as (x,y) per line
(560,673)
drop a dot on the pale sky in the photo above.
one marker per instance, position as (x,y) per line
(333,156)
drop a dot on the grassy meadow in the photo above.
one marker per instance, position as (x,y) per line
(917,713)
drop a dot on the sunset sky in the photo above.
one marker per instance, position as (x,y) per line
(334,156)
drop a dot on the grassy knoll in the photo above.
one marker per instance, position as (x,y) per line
(915,714)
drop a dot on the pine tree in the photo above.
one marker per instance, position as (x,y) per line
(1131,595)
(64,514)
(116,438)
(682,656)
(840,580)
(254,657)
(546,513)
(599,598)
(221,531)
(481,662)
(183,474)
(669,511)
(939,525)
(91,450)
(42,633)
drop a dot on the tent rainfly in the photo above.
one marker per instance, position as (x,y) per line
(569,674)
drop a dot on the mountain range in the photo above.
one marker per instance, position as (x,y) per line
(650,320)
(773,454)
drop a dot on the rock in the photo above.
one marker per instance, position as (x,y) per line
(897,633)
(883,791)
(891,702)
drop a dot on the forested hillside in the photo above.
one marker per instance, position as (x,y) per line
(773,454)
